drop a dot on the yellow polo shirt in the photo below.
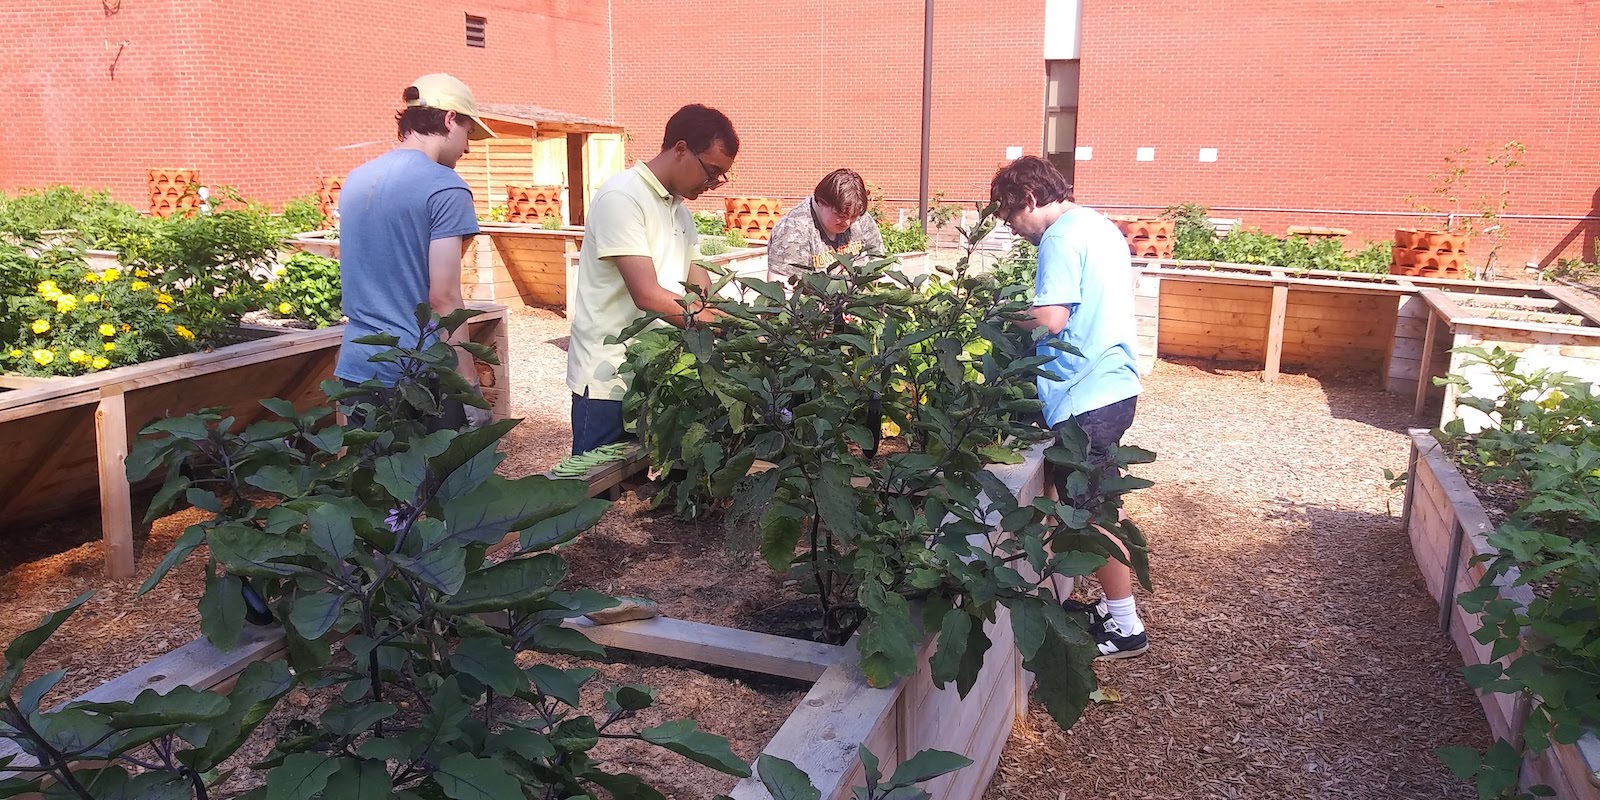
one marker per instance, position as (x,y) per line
(632,214)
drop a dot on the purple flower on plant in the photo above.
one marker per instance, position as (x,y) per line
(397,517)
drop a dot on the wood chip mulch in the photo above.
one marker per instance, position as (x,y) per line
(1294,651)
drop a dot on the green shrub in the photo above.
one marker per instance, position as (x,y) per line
(709,223)
(910,239)
(307,288)
(713,246)
(736,240)
(301,215)
(1194,237)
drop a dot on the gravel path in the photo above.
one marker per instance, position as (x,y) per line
(1293,648)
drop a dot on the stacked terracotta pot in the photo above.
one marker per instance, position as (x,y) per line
(752,216)
(172,191)
(533,204)
(328,187)
(1432,254)
(1148,237)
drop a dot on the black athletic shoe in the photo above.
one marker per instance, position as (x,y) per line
(1098,614)
(1113,644)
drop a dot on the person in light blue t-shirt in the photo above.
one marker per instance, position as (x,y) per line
(1083,295)
(406,218)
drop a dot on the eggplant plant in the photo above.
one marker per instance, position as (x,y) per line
(773,412)
(368,540)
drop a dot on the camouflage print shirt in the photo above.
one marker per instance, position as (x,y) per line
(799,243)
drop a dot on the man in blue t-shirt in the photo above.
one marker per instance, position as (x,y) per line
(1083,295)
(405,220)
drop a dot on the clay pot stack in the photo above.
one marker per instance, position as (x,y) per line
(1430,254)
(328,187)
(1148,237)
(172,191)
(533,204)
(752,216)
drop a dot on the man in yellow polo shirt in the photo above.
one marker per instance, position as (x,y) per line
(638,245)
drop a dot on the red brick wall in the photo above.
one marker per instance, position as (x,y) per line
(814,85)
(266,96)
(1348,105)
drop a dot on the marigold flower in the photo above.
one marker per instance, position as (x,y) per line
(183,332)
(77,355)
(109,346)
(66,303)
(126,328)
(40,326)
(43,356)
(267,286)
(100,362)
(112,274)
(91,298)
(285,308)
(141,273)
(48,289)
(107,329)
(91,277)
(164,298)
(16,353)
(164,307)
(138,286)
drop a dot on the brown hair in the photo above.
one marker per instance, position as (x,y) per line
(420,120)
(1029,180)
(843,191)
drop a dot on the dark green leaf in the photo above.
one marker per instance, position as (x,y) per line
(491,663)
(499,506)
(1462,761)
(314,614)
(927,765)
(359,780)
(563,527)
(301,776)
(444,567)
(464,777)
(28,700)
(350,720)
(685,739)
(784,780)
(507,585)
(630,697)
(222,611)
(562,684)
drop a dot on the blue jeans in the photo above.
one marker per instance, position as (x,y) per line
(595,423)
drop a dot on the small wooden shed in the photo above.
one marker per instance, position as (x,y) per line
(540,147)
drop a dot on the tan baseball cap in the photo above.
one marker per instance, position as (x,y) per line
(447,93)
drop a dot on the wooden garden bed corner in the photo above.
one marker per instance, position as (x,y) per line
(1448,528)
(66,439)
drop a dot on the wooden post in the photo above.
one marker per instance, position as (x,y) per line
(1280,308)
(1452,564)
(1452,392)
(1424,367)
(1411,483)
(116,505)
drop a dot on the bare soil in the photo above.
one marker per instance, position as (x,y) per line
(1293,652)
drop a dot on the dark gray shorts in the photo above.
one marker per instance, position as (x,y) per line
(1104,428)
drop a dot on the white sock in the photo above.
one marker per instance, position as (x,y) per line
(1122,611)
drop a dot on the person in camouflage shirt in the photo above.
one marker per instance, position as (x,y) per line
(832,220)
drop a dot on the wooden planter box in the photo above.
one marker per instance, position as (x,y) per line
(1448,527)
(822,736)
(66,439)
(317,243)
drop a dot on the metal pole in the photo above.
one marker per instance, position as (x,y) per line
(927,108)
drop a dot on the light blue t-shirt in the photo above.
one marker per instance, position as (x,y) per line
(1084,265)
(390,209)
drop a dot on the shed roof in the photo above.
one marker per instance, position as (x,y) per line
(544,119)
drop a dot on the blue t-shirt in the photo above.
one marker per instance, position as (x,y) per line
(1084,265)
(390,209)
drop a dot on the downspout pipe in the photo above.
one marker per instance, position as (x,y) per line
(927,108)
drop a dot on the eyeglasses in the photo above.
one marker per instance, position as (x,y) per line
(713,179)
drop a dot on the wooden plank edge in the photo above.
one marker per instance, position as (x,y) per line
(715,644)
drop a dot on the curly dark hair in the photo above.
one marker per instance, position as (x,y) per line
(420,120)
(1029,180)
(699,127)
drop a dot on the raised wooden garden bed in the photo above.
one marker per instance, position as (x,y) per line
(66,438)
(1399,329)
(1448,528)
(822,736)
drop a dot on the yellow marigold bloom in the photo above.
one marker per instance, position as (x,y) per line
(285,308)
(91,298)
(164,307)
(112,274)
(107,329)
(41,325)
(277,269)
(267,286)
(164,298)
(91,278)
(109,346)
(66,303)
(183,332)
(48,290)
(16,353)
(138,286)
(100,362)
(43,356)
(126,328)
(141,273)
(77,355)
